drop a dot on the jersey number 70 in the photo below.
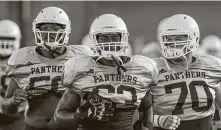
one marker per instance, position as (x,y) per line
(193,93)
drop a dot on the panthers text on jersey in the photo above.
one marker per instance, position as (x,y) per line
(125,89)
(38,74)
(84,74)
(189,95)
(41,78)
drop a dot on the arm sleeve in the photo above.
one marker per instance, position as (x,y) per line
(11,63)
(69,73)
(155,72)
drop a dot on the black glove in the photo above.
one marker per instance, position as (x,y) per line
(95,107)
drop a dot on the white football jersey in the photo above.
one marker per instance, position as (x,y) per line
(189,95)
(85,74)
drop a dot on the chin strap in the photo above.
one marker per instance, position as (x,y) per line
(53,52)
(173,71)
(120,68)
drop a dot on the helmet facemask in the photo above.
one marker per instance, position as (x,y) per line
(8,45)
(178,45)
(52,39)
(109,44)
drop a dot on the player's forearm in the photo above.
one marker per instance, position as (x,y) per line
(63,116)
(218,97)
(8,107)
(148,124)
(148,118)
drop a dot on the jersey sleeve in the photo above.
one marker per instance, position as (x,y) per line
(218,72)
(148,69)
(81,50)
(87,50)
(69,73)
(11,63)
(154,71)
(151,67)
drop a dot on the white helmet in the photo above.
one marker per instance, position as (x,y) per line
(211,45)
(10,36)
(151,50)
(184,25)
(160,28)
(109,23)
(52,15)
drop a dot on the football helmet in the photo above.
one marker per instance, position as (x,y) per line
(10,36)
(151,50)
(211,45)
(179,25)
(109,24)
(160,27)
(52,15)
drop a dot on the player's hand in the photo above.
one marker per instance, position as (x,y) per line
(94,107)
(103,110)
(100,111)
(170,122)
(19,96)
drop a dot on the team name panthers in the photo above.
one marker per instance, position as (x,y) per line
(186,74)
(46,69)
(115,77)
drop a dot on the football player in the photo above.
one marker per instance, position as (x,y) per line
(210,45)
(189,84)
(10,36)
(36,71)
(109,85)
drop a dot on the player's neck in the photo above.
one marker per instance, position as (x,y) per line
(107,62)
(182,61)
(46,53)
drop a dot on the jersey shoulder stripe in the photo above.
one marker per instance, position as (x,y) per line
(72,64)
(149,65)
(21,55)
(80,50)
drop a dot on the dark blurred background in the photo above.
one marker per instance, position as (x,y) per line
(141,17)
